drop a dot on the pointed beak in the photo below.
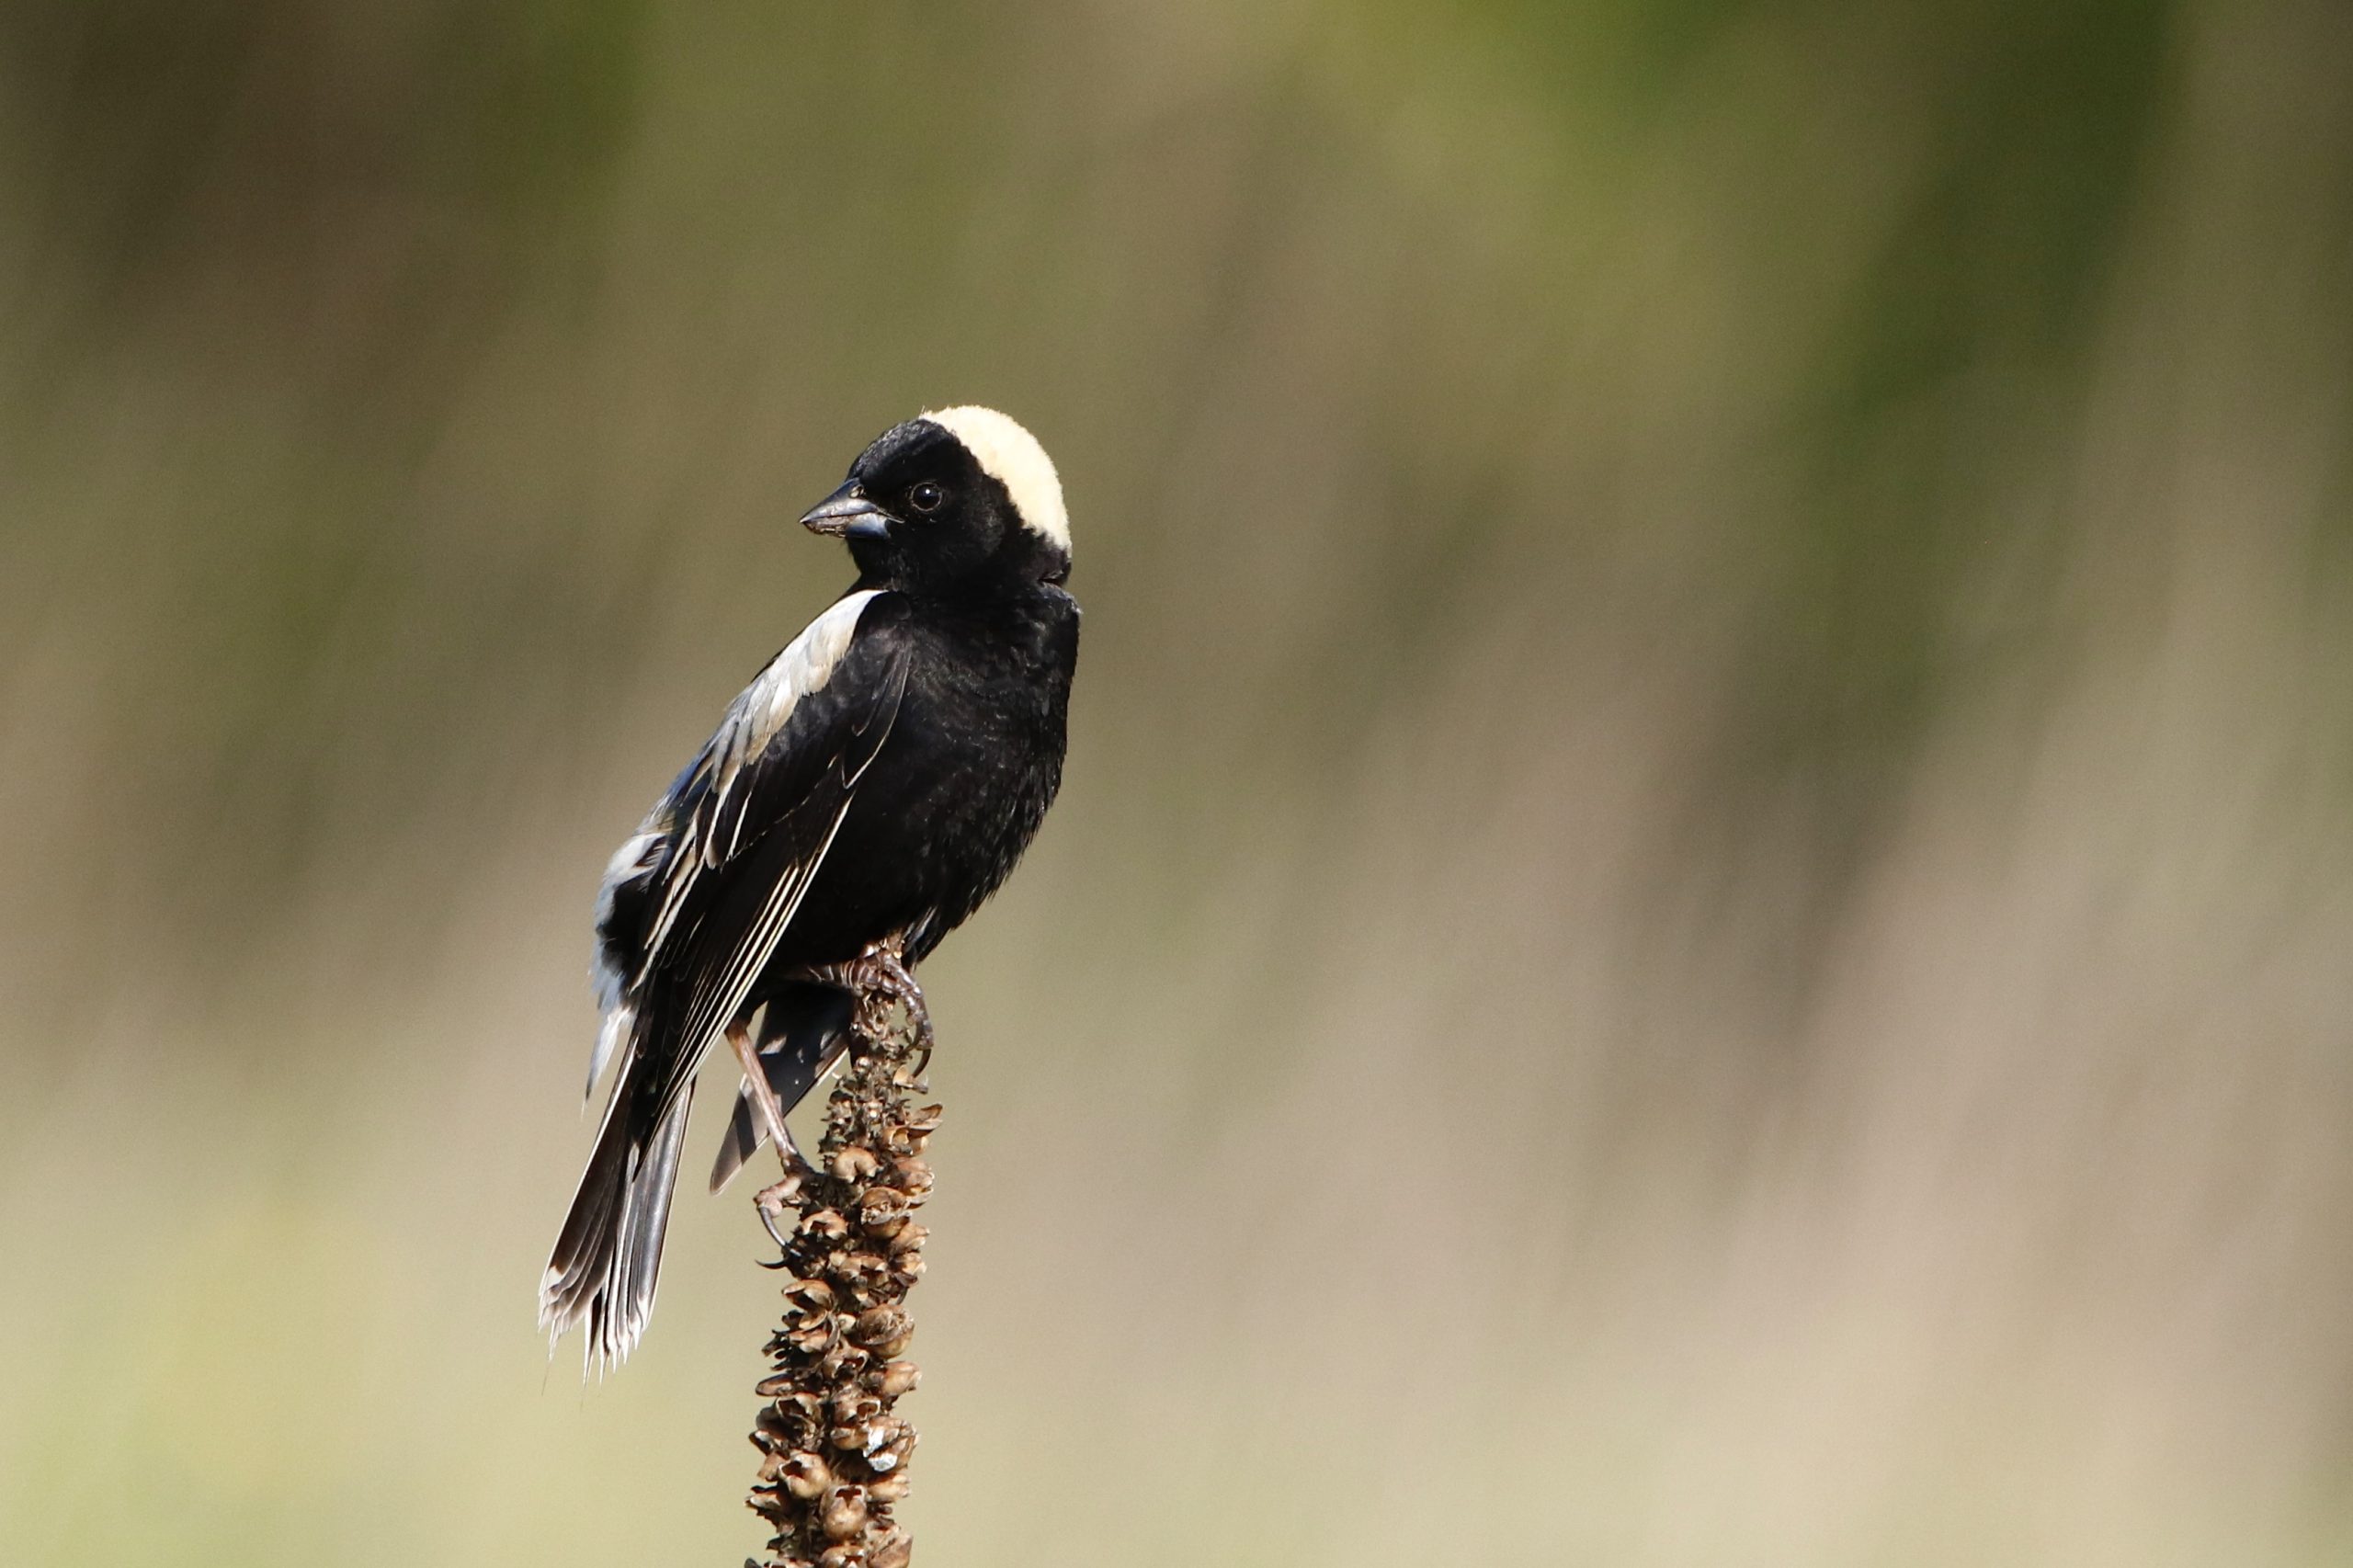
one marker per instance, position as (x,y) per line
(847,514)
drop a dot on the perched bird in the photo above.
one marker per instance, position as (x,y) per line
(863,796)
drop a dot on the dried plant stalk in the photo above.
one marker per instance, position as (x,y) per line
(833,1450)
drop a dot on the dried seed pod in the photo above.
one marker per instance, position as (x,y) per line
(909,1237)
(858,1439)
(883,1210)
(860,1270)
(895,1377)
(854,1164)
(889,1488)
(844,1554)
(844,1363)
(888,1435)
(805,1475)
(825,1224)
(844,1514)
(879,1327)
(894,1451)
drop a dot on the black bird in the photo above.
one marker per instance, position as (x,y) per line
(867,791)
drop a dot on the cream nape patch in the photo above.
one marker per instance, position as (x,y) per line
(1011,456)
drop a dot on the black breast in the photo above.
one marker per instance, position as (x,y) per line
(958,790)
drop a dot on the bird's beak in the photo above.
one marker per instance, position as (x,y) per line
(847,514)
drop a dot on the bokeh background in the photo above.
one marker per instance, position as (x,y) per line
(1702,909)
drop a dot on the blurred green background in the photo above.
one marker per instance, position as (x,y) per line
(1702,909)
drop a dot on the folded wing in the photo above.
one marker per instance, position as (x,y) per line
(692,909)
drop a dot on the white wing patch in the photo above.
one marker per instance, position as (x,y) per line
(1012,456)
(754,718)
(763,709)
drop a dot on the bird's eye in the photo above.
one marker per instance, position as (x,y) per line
(927,496)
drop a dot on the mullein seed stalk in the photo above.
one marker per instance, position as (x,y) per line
(834,1450)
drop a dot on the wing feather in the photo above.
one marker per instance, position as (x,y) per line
(763,798)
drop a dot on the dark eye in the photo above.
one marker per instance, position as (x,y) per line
(927,496)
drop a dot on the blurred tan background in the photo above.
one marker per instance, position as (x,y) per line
(1701,913)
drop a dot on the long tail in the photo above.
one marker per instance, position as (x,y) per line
(606,1258)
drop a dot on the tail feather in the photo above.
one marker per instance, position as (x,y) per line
(608,1257)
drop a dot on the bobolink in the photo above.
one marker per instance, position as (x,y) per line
(863,795)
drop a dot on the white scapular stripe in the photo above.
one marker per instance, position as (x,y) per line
(753,720)
(1012,456)
(805,665)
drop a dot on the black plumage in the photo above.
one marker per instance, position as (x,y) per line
(873,785)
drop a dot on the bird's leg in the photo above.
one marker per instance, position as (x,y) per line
(765,1110)
(770,1200)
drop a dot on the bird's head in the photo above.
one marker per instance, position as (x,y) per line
(954,498)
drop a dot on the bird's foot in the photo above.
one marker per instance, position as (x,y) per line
(885,972)
(774,1200)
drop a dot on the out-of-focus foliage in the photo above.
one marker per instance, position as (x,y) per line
(1701,908)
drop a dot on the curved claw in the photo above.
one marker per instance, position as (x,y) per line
(769,1201)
